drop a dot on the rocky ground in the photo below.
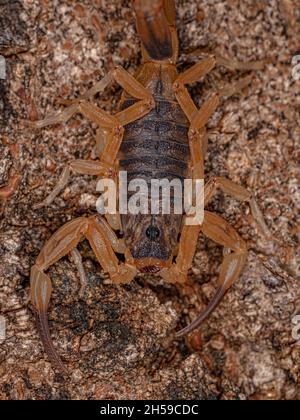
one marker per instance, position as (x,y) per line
(117,341)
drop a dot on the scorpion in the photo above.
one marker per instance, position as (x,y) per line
(158,132)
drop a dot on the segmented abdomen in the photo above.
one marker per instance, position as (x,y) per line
(156,146)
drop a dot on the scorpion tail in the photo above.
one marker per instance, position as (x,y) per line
(156,27)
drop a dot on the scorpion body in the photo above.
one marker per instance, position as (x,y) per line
(158,133)
(155,147)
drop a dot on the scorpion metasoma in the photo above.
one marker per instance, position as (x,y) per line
(158,133)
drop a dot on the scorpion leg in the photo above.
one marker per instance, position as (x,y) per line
(198,143)
(187,247)
(191,75)
(128,82)
(239,193)
(197,131)
(189,236)
(89,167)
(84,167)
(117,244)
(107,160)
(217,229)
(92,112)
(110,127)
(229,63)
(114,221)
(234,65)
(63,242)
(199,118)
(101,140)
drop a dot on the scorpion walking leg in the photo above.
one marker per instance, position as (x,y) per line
(229,63)
(197,142)
(92,112)
(114,221)
(63,242)
(198,145)
(191,75)
(187,248)
(77,260)
(90,167)
(234,65)
(112,125)
(101,140)
(83,167)
(239,193)
(196,132)
(117,244)
(217,229)
(199,118)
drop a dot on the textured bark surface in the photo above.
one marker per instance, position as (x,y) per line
(118,340)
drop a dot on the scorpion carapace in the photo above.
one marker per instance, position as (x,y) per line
(158,133)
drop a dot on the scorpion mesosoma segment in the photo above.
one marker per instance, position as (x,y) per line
(158,132)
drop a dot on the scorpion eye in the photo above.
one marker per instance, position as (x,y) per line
(152,233)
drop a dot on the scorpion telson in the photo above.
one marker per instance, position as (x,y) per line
(158,132)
